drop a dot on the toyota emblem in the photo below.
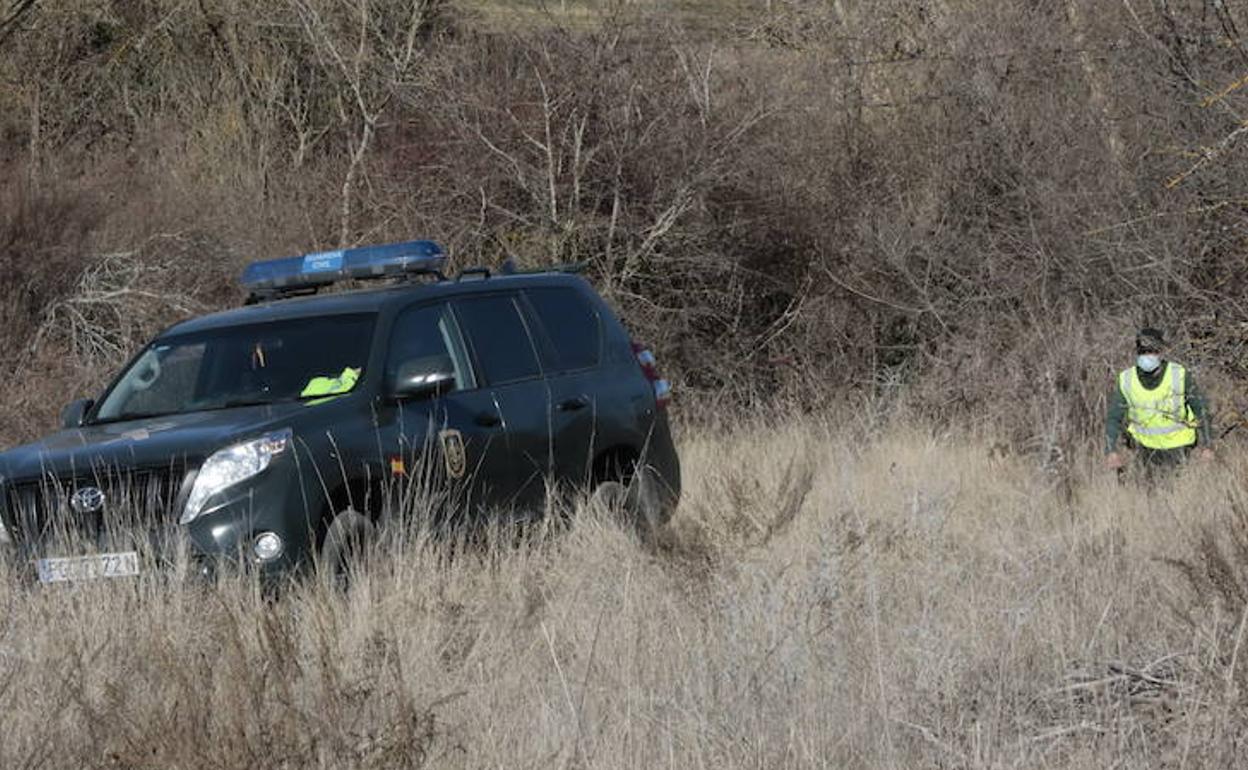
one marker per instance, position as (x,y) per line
(87,500)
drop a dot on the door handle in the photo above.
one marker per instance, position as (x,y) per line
(488,420)
(573,404)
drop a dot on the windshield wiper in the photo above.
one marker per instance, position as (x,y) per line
(239,402)
(128,416)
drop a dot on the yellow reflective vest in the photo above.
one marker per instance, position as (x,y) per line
(1159,418)
(331,386)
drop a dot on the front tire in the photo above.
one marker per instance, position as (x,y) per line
(345,544)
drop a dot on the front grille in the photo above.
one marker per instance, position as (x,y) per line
(133,500)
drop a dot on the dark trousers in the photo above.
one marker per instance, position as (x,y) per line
(1163,458)
(1157,463)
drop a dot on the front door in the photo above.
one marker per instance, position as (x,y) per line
(451,448)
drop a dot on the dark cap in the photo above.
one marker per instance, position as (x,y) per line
(1149,340)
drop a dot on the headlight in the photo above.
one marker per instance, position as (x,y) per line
(229,466)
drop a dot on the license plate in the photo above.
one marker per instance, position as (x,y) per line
(75,568)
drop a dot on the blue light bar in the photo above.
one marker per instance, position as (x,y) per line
(326,267)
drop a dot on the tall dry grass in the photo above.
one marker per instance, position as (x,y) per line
(824,598)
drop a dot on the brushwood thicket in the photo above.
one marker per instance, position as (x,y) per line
(958,208)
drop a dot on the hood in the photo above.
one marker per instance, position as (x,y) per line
(152,442)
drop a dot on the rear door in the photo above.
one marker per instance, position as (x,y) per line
(459,434)
(571,342)
(507,361)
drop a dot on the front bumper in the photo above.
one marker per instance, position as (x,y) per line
(223,536)
(270,504)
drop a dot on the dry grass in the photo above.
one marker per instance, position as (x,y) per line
(590,14)
(819,602)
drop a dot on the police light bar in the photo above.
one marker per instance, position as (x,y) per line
(326,267)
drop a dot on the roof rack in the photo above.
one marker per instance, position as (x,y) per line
(484,272)
(509,268)
(308,274)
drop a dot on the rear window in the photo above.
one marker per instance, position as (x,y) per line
(499,338)
(572,325)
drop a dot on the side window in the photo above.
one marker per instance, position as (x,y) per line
(499,338)
(571,323)
(424,332)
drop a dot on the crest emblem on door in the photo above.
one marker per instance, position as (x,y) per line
(453,453)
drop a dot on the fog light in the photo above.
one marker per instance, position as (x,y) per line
(268,546)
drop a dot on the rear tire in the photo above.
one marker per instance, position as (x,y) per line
(635,495)
(346,542)
(609,497)
(645,501)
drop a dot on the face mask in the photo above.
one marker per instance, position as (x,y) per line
(1148,362)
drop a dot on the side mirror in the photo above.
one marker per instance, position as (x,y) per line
(73,415)
(422,377)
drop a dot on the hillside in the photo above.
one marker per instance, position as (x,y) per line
(891,254)
(940,206)
(957,209)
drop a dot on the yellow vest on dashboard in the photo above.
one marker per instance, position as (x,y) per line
(330,386)
(1158,418)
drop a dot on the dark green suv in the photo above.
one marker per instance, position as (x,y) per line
(271,432)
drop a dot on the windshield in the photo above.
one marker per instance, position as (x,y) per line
(305,358)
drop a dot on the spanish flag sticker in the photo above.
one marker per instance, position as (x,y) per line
(397,468)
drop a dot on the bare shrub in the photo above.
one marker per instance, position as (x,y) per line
(954,209)
(42,235)
(119,302)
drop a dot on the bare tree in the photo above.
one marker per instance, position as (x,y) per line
(372,48)
(569,143)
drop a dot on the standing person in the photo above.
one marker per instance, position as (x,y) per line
(1164,413)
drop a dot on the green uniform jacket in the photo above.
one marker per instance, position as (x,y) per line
(1117,419)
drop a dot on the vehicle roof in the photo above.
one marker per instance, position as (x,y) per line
(362,300)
